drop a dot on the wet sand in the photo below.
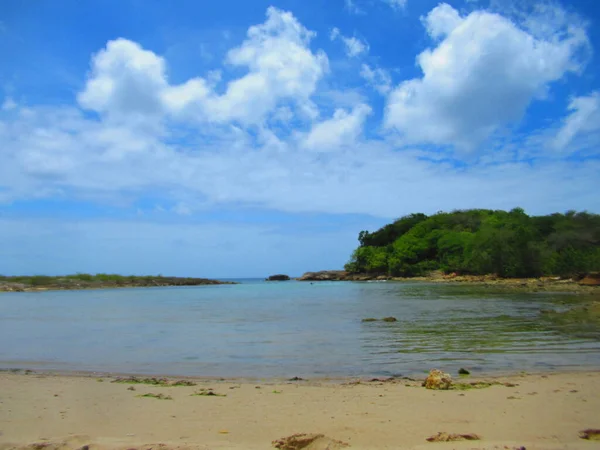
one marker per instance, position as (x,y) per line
(71,411)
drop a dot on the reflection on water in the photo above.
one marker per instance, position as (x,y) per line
(287,329)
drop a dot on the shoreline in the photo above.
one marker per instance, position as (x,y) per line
(307,379)
(516,285)
(68,412)
(525,285)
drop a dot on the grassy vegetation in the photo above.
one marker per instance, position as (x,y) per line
(86,280)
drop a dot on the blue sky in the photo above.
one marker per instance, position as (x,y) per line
(236,138)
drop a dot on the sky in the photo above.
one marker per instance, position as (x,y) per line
(242,139)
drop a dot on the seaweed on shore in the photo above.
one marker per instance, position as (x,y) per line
(156,396)
(164,382)
(207,393)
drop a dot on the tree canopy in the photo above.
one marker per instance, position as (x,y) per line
(481,241)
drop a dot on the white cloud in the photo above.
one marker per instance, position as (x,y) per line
(353,46)
(584,120)
(479,78)
(61,153)
(128,81)
(248,146)
(442,20)
(396,4)
(377,77)
(342,129)
(334,34)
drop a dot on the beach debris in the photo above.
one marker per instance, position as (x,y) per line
(442,436)
(296,379)
(438,380)
(207,393)
(308,441)
(153,381)
(463,371)
(223,431)
(156,396)
(591,434)
(385,319)
(131,388)
(384,380)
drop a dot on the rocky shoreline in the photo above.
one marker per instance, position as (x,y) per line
(74,282)
(588,284)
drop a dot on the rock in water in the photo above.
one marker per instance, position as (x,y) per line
(463,371)
(278,277)
(324,275)
(438,380)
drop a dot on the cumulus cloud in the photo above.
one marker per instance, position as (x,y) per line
(342,129)
(128,81)
(481,76)
(352,45)
(583,121)
(273,148)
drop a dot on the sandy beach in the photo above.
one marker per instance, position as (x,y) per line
(541,411)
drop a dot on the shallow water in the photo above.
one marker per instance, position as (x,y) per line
(258,329)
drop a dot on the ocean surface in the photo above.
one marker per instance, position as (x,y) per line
(285,329)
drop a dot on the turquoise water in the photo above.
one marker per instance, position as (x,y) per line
(258,329)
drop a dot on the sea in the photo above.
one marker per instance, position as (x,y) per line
(258,329)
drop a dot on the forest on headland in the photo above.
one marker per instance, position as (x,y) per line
(480,241)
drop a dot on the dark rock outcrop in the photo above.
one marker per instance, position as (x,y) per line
(341,275)
(278,277)
(325,275)
(591,279)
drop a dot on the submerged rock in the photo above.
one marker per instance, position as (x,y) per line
(438,380)
(390,319)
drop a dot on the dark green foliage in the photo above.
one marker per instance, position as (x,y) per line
(508,244)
